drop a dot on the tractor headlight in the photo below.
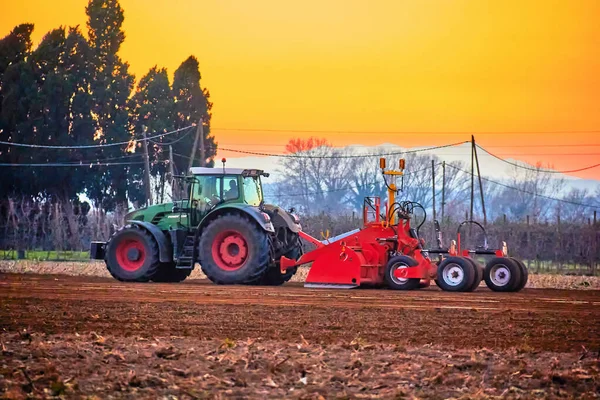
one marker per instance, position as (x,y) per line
(266,217)
(295,218)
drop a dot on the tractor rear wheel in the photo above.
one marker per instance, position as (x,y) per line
(233,250)
(168,272)
(456,274)
(502,274)
(524,274)
(395,263)
(132,255)
(274,277)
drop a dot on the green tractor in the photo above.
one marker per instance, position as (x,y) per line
(224,225)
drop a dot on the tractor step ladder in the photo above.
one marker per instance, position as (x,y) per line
(186,259)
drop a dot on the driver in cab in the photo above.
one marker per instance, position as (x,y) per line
(233,192)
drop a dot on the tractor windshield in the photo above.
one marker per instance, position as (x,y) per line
(252,190)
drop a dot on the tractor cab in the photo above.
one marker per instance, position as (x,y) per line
(213,187)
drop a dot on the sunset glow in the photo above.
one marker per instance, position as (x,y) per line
(440,67)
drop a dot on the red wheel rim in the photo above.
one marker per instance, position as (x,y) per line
(131,254)
(230,250)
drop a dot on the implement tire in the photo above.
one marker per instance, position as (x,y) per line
(132,255)
(399,262)
(524,274)
(502,274)
(456,274)
(233,250)
(478,274)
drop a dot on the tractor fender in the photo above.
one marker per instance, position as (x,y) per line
(253,212)
(282,217)
(165,251)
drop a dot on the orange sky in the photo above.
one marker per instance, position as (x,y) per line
(394,66)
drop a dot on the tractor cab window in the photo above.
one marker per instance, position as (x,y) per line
(207,190)
(230,188)
(252,191)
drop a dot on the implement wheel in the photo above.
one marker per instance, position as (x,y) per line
(233,250)
(502,274)
(524,274)
(393,282)
(132,255)
(478,274)
(456,274)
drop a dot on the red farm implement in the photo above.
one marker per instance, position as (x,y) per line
(387,252)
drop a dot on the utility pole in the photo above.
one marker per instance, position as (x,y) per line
(433,189)
(147,170)
(443,188)
(480,184)
(472,173)
(199,136)
(172,173)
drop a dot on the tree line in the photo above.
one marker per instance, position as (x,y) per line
(75,90)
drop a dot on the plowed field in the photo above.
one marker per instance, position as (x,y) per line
(95,336)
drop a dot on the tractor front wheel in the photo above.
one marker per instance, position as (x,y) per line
(132,255)
(233,250)
(393,282)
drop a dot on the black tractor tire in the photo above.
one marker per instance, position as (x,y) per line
(502,274)
(456,274)
(132,255)
(394,283)
(524,274)
(168,273)
(274,277)
(478,274)
(254,250)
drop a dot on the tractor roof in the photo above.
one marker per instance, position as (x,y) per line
(227,171)
(215,171)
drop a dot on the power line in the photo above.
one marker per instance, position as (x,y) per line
(173,141)
(91,146)
(492,146)
(550,171)
(76,162)
(347,188)
(256,153)
(526,191)
(87,165)
(403,132)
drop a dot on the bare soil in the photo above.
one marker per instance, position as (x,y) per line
(89,336)
(98,268)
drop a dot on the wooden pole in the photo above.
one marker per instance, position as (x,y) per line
(443,188)
(199,133)
(147,170)
(480,184)
(472,174)
(174,193)
(433,194)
